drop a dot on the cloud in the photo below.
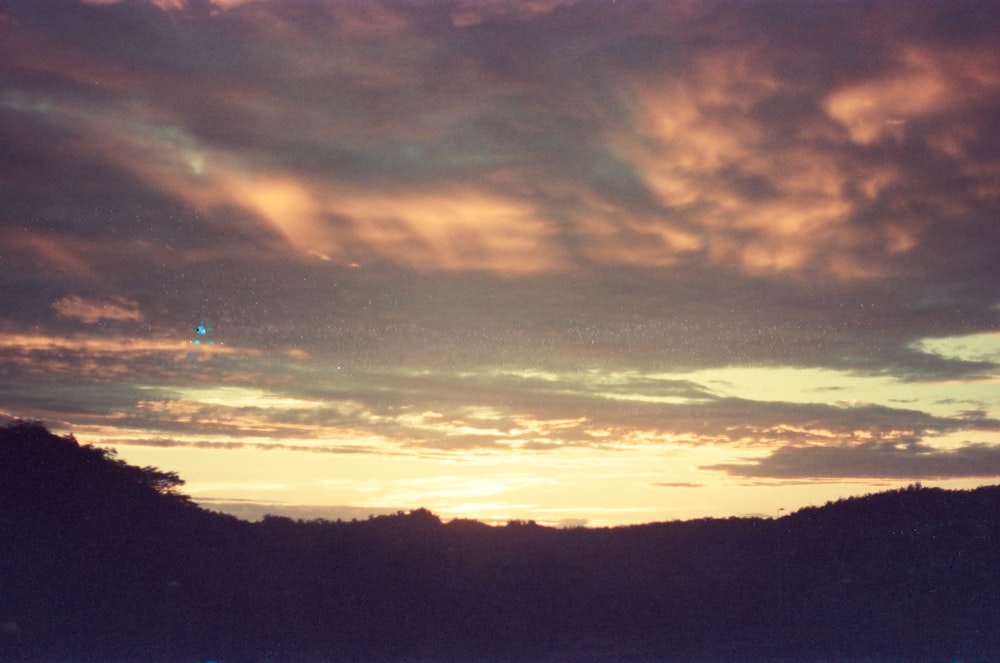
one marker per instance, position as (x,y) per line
(444,228)
(924,83)
(642,143)
(169,443)
(176,5)
(53,254)
(870,460)
(525,228)
(92,310)
(447,414)
(102,359)
(467,13)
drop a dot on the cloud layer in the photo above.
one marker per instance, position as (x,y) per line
(435,229)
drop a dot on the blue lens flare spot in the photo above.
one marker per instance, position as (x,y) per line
(202,332)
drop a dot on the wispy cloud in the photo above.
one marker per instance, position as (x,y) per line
(91,311)
(871,460)
(736,159)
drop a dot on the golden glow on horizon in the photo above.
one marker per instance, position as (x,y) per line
(595,492)
(515,485)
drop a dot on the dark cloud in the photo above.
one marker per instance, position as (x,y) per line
(236,446)
(871,460)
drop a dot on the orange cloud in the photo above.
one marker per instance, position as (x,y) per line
(64,254)
(725,187)
(100,358)
(453,230)
(747,200)
(928,82)
(468,13)
(447,229)
(874,110)
(90,310)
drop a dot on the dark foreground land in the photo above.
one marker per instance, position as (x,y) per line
(102,561)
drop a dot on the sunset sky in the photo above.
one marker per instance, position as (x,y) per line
(595,262)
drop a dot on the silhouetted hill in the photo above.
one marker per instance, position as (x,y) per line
(102,561)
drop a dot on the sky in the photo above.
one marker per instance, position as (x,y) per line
(595,262)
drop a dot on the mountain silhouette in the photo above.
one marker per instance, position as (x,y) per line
(106,562)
